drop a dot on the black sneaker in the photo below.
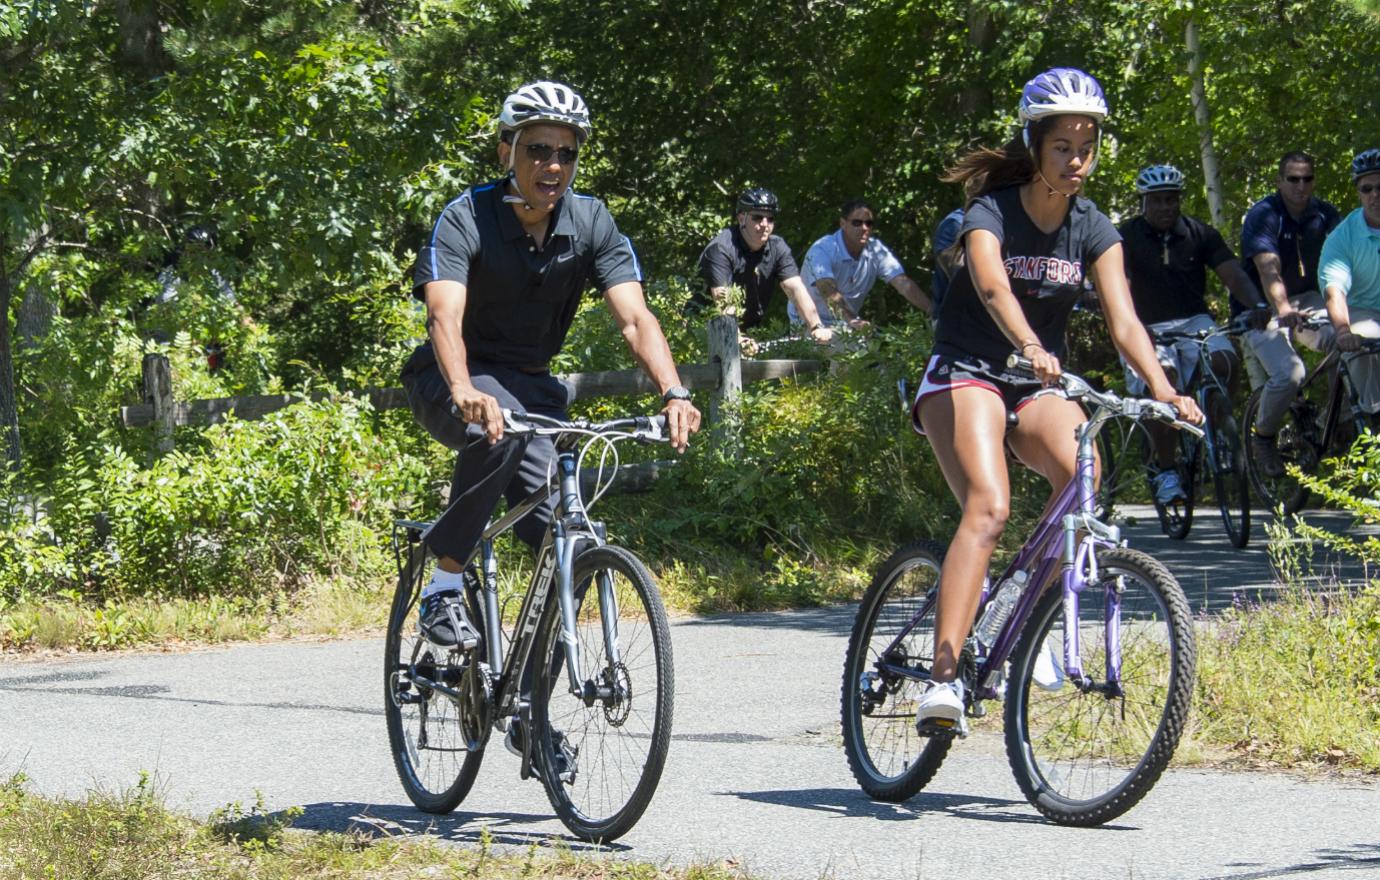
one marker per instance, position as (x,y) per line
(1267,455)
(443,621)
(516,742)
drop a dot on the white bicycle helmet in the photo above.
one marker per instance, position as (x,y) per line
(1366,162)
(545,101)
(1160,178)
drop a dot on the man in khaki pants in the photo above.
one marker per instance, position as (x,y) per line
(1281,241)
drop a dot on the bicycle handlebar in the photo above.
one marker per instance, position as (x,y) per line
(1136,408)
(644,429)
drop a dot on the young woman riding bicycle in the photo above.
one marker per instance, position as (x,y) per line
(1027,241)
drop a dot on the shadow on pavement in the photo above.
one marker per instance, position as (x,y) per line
(395,820)
(832,620)
(850,802)
(1361,857)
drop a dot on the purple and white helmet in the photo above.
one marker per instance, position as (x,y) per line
(1057,91)
(545,101)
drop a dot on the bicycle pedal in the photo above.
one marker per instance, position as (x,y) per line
(945,727)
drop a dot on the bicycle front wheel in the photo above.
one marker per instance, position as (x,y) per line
(1228,464)
(601,752)
(890,654)
(1086,752)
(437,740)
(1176,517)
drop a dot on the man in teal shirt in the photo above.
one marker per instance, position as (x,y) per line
(1349,271)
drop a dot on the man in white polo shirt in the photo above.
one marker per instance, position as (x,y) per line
(840,269)
(1349,271)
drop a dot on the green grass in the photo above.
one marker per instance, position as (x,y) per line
(129,835)
(1295,682)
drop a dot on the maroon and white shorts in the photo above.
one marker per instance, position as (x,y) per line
(945,373)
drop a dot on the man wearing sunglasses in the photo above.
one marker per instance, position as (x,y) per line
(841,267)
(1350,273)
(1281,240)
(754,258)
(502,274)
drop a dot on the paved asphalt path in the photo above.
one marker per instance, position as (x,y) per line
(756,771)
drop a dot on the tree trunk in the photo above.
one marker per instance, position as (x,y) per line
(141,37)
(9,404)
(1212,177)
(975,98)
(35,317)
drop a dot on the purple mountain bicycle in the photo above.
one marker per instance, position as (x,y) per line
(1095,660)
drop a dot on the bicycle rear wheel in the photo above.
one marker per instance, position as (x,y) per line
(890,760)
(437,740)
(1083,754)
(1297,444)
(601,753)
(1176,518)
(1228,465)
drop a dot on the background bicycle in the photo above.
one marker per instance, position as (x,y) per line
(1217,457)
(1096,674)
(583,683)
(1323,420)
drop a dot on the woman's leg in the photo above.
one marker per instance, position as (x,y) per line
(966,427)
(1045,440)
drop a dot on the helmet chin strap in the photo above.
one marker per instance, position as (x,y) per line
(520,198)
(1050,186)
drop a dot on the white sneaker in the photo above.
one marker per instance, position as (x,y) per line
(941,704)
(1168,489)
(1048,673)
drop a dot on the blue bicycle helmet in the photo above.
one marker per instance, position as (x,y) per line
(1366,162)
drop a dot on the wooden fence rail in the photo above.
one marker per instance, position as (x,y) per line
(725,374)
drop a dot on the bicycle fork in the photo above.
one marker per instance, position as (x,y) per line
(568,543)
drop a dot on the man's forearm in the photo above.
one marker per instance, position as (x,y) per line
(913,294)
(804,303)
(1337,311)
(648,346)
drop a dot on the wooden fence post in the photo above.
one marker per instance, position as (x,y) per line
(725,354)
(158,393)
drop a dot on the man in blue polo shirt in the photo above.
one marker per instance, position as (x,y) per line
(1281,239)
(945,234)
(502,274)
(1167,255)
(841,267)
(1350,273)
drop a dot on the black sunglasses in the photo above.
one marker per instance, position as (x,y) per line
(868,223)
(544,152)
(1300,178)
(758,218)
(1366,189)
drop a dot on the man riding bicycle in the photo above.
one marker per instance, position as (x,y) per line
(1349,271)
(501,275)
(1281,240)
(1168,254)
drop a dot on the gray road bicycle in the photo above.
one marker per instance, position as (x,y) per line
(586,671)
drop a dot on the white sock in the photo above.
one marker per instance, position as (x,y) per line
(444,580)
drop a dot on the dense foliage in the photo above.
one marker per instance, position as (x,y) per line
(319,140)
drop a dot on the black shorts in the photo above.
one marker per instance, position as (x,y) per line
(945,373)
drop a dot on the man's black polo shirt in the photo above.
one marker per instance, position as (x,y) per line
(520,301)
(726,260)
(1168,270)
(1269,228)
